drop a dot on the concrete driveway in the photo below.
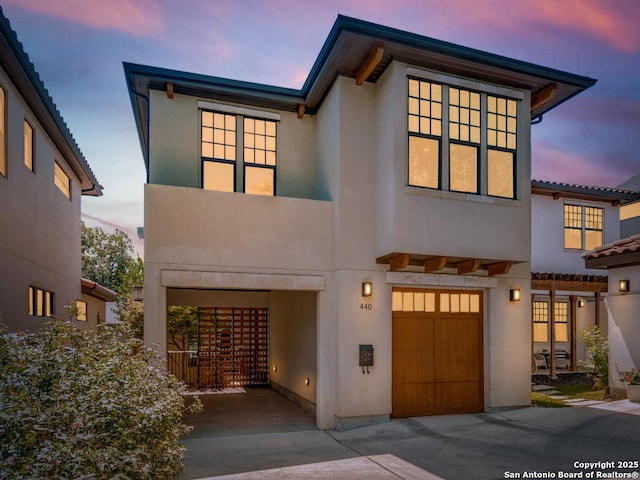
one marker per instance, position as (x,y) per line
(262,435)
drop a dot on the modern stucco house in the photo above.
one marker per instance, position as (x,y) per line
(566,221)
(43,176)
(359,242)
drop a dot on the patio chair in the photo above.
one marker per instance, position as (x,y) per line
(563,359)
(540,361)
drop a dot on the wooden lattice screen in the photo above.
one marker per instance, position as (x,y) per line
(232,347)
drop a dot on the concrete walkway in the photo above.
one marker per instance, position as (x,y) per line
(271,438)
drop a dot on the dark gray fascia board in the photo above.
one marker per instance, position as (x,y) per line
(26,79)
(583,192)
(412,40)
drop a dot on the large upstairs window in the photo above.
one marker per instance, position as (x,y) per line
(475,153)
(238,153)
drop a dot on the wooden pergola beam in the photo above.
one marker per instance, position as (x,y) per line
(369,65)
(498,268)
(543,96)
(399,261)
(434,264)
(468,266)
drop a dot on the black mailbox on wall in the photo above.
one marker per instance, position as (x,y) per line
(366,355)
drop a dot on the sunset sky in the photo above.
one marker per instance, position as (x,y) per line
(78,47)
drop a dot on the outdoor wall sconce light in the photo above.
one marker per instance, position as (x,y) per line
(367,289)
(623,286)
(138,294)
(306,381)
(514,295)
(580,303)
(275,368)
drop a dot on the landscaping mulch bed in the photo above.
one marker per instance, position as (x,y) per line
(573,378)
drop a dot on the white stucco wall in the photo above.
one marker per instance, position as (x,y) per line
(624,327)
(353,153)
(547,229)
(40,240)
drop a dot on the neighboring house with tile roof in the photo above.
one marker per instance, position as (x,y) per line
(357,243)
(43,176)
(621,259)
(567,220)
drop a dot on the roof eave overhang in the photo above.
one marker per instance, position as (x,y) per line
(22,73)
(357,38)
(577,192)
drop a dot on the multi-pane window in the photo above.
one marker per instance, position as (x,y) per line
(225,140)
(259,156)
(62,181)
(562,321)
(425,132)
(3,137)
(480,139)
(28,145)
(502,117)
(541,317)
(540,321)
(40,302)
(583,227)
(464,136)
(81,311)
(218,151)
(429,301)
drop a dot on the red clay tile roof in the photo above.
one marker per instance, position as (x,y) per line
(619,247)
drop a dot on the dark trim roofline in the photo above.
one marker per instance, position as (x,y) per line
(24,76)
(414,40)
(583,192)
(347,46)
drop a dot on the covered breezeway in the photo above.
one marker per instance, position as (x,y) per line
(248,338)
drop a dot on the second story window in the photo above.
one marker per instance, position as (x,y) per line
(475,154)
(28,145)
(218,151)
(61,180)
(583,227)
(238,153)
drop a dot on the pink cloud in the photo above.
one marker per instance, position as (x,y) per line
(553,164)
(136,17)
(613,22)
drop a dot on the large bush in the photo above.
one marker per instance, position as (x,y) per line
(86,404)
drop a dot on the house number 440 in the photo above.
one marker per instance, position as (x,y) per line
(366,306)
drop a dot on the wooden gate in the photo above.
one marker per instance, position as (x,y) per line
(437,354)
(232,347)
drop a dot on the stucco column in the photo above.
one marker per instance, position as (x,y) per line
(327,360)
(155,310)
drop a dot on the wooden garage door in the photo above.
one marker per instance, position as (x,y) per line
(437,359)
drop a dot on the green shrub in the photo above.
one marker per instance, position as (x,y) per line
(87,404)
(598,349)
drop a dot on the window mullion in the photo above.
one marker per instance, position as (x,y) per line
(483,170)
(239,167)
(444,146)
